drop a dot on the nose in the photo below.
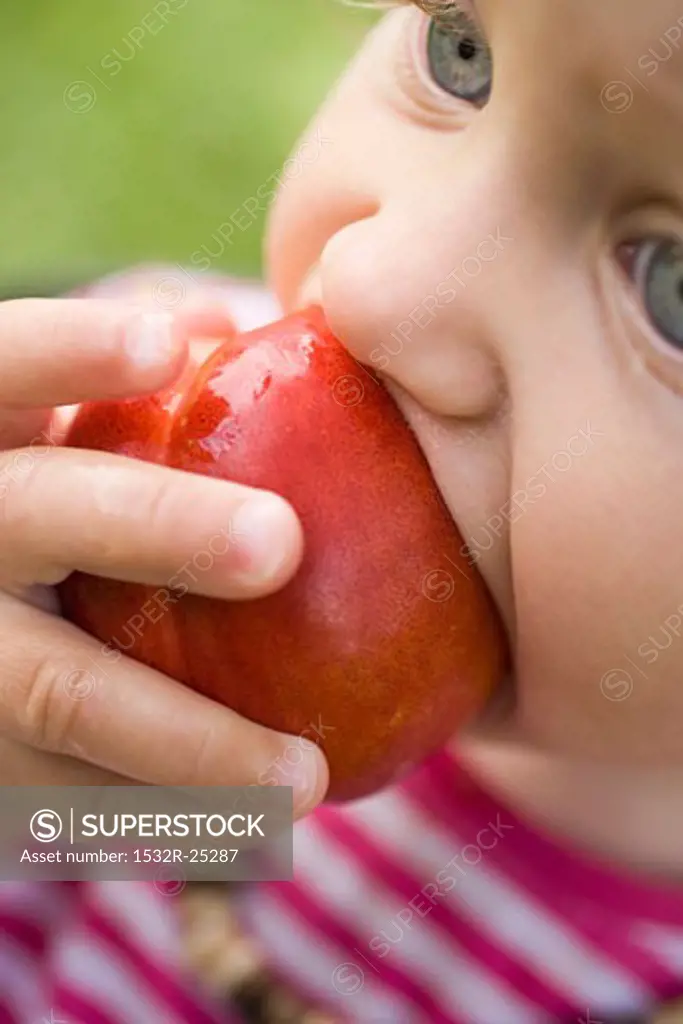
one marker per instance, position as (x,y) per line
(409,290)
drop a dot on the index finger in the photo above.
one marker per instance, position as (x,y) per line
(64,351)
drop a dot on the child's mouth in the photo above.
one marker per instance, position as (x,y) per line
(501,705)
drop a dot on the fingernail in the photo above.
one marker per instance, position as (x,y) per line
(309,779)
(150,340)
(257,528)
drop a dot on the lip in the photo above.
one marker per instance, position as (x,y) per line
(501,705)
(422,423)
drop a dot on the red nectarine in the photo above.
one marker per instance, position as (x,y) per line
(386,641)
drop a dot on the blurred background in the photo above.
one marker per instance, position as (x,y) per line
(132,130)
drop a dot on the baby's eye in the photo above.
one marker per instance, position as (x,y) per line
(656,266)
(459,57)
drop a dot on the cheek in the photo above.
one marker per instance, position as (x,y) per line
(599,597)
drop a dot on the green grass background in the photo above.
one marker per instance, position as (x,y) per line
(208,109)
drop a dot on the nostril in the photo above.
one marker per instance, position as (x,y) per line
(296,240)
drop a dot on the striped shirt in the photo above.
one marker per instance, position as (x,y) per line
(429,903)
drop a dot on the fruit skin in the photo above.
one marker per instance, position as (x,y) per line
(386,640)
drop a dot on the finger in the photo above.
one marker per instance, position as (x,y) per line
(25,766)
(60,693)
(63,351)
(131,520)
(19,427)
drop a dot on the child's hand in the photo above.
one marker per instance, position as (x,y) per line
(65,509)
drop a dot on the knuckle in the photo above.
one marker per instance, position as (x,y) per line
(250,746)
(30,315)
(202,764)
(22,475)
(50,716)
(158,504)
(207,757)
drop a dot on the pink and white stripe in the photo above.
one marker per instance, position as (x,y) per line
(503,939)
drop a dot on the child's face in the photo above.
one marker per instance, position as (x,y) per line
(510,257)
